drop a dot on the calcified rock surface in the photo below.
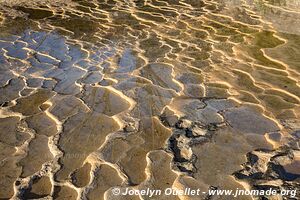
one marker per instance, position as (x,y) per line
(148,94)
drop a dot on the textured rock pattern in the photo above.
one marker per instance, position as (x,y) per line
(148,94)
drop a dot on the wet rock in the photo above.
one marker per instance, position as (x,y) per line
(26,92)
(281,173)
(132,83)
(34,82)
(67,79)
(11,90)
(216,92)
(43,58)
(221,147)
(274,136)
(154,133)
(221,104)
(30,105)
(5,74)
(134,163)
(16,52)
(127,62)
(154,99)
(260,164)
(39,69)
(48,84)
(106,82)
(197,111)
(54,44)
(187,167)
(67,106)
(191,78)
(161,74)
(194,91)
(154,49)
(249,121)
(35,13)
(92,78)
(81,63)
(192,105)
(198,141)
(208,116)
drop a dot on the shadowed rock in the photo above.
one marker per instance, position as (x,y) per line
(41,187)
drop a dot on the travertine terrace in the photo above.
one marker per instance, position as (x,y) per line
(97,94)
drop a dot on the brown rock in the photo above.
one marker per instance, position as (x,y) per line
(169,117)
(64,193)
(104,100)
(30,105)
(10,133)
(81,176)
(42,124)
(38,153)
(9,171)
(248,121)
(105,178)
(83,134)
(11,90)
(41,187)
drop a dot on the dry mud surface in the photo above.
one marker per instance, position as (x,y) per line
(148,94)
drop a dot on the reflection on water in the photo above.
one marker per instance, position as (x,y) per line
(148,94)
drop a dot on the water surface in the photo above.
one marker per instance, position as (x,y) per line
(148,94)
